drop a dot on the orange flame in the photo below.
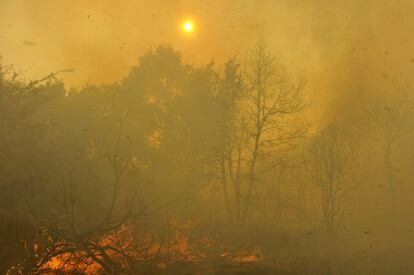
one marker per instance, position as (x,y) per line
(179,247)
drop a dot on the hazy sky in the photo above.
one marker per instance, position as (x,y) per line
(334,45)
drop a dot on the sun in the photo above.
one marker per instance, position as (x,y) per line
(188,26)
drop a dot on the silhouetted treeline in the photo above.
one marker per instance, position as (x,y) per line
(108,178)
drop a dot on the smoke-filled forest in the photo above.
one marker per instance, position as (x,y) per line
(206,137)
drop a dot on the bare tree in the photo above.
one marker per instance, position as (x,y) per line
(263,126)
(273,100)
(332,166)
(390,114)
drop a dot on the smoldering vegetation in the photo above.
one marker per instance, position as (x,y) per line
(204,169)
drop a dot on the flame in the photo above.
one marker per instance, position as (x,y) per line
(253,256)
(180,247)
